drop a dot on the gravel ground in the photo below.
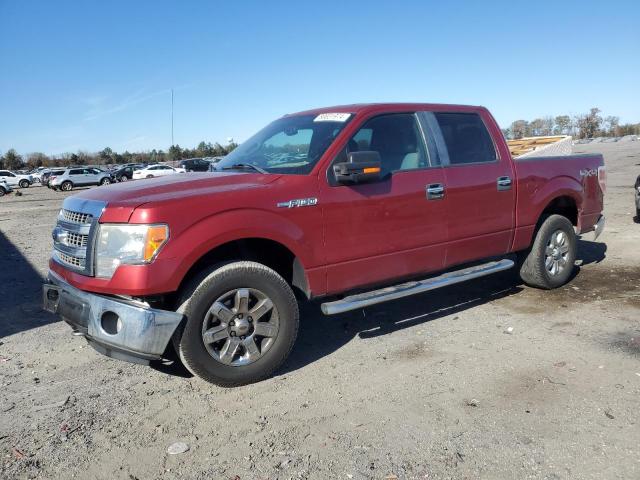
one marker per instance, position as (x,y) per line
(489,379)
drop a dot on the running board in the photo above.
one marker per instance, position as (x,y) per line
(366,299)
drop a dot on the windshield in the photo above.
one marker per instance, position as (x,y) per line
(289,145)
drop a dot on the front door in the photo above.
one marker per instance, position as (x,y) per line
(388,229)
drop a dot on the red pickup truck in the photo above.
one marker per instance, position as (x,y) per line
(354,205)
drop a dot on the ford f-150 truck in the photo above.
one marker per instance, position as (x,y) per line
(354,205)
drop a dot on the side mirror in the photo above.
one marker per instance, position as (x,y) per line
(360,168)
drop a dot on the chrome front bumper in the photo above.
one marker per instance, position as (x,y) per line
(118,328)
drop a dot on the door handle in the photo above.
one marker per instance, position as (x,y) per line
(435,191)
(504,183)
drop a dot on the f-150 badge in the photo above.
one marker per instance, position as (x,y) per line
(299,202)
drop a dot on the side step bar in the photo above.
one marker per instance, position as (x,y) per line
(366,299)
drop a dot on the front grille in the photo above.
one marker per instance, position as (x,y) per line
(75,262)
(73,235)
(76,217)
(77,240)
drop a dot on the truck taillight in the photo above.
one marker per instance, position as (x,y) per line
(602,178)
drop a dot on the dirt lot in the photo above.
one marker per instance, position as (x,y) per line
(426,388)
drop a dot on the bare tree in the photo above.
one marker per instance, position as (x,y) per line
(562,125)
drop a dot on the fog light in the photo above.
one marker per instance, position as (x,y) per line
(111,323)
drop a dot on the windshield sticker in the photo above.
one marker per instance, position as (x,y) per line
(332,117)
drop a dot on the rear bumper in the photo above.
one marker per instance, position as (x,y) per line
(599,226)
(118,328)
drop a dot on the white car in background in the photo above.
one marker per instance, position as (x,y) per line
(15,180)
(5,188)
(156,171)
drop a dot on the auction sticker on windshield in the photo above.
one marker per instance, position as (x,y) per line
(332,117)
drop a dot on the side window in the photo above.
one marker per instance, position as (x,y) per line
(4,173)
(466,138)
(76,172)
(396,137)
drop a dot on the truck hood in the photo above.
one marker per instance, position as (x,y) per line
(123,198)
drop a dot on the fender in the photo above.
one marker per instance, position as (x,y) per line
(192,243)
(530,204)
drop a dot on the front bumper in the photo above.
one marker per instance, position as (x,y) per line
(119,328)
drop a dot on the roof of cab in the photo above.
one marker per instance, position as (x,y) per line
(358,108)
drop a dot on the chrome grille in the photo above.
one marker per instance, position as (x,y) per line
(77,240)
(70,260)
(72,236)
(75,217)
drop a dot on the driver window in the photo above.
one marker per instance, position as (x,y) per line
(396,137)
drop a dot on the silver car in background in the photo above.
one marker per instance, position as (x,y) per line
(5,188)
(16,179)
(80,177)
(637,191)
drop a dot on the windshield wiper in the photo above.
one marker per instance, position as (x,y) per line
(245,166)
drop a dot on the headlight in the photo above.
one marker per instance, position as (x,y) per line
(127,244)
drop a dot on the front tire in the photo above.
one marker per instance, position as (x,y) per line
(241,323)
(551,260)
(24,184)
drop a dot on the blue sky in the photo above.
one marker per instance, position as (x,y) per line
(86,75)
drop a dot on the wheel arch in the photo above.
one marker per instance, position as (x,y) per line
(266,251)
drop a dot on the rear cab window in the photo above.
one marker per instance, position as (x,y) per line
(464,138)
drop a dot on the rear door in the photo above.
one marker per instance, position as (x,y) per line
(388,229)
(77,176)
(479,187)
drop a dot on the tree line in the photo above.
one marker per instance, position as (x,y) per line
(585,125)
(12,160)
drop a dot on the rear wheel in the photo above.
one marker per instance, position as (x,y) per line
(241,323)
(124,178)
(149,176)
(551,260)
(66,186)
(24,184)
(105,181)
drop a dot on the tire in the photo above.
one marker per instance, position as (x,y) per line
(24,184)
(124,178)
(273,340)
(550,262)
(66,186)
(2,192)
(149,176)
(105,181)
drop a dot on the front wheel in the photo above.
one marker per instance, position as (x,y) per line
(24,184)
(552,257)
(1,192)
(241,323)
